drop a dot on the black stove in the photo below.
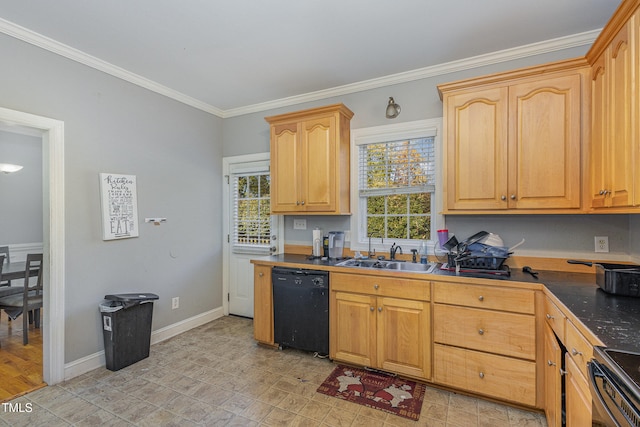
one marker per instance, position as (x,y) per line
(615,387)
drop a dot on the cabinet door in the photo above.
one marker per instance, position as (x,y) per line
(545,119)
(612,147)
(476,144)
(263,304)
(353,328)
(578,397)
(552,378)
(620,91)
(285,151)
(404,337)
(317,167)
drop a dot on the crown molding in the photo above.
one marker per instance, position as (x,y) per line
(31,37)
(539,48)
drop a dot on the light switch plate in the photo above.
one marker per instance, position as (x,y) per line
(299,224)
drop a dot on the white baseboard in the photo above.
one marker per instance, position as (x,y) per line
(97,360)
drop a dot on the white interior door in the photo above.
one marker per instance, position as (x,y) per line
(252,232)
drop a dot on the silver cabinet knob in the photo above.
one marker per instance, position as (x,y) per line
(302,203)
(503,198)
(372,308)
(481,331)
(513,197)
(480,298)
(380,309)
(481,375)
(376,286)
(261,274)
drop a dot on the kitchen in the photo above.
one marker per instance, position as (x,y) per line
(556,235)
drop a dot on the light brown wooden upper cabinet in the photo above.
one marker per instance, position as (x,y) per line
(310,161)
(513,140)
(615,138)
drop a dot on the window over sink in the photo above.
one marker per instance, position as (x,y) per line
(395,184)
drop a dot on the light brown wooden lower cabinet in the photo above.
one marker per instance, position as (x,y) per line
(391,334)
(486,374)
(552,378)
(578,396)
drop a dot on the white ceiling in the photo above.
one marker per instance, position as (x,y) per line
(234,54)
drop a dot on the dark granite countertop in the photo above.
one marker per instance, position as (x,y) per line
(615,320)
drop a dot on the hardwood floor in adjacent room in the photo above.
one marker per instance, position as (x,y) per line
(20,365)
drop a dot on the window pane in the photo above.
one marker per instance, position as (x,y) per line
(397,204)
(375,205)
(375,226)
(397,227)
(420,203)
(419,227)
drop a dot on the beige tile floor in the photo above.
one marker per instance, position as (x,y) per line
(215,375)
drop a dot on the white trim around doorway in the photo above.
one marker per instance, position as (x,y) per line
(54,235)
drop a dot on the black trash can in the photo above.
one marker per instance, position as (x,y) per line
(126,326)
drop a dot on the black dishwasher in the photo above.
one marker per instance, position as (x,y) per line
(301,309)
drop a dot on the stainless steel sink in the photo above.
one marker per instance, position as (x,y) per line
(388,265)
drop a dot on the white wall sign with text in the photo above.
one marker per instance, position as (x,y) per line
(119,206)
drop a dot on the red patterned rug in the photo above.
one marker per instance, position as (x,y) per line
(375,390)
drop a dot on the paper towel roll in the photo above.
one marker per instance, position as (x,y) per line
(317,242)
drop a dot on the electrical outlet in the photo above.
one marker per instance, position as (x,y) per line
(299,224)
(602,243)
(175,303)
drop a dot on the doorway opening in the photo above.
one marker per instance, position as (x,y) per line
(52,133)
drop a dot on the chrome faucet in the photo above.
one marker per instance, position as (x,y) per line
(369,253)
(393,250)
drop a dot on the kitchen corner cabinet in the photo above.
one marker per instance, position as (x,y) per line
(615,138)
(485,340)
(263,305)
(513,140)
(381,322)
(310,161)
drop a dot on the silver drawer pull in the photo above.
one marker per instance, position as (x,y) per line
(481,331)
(576,352)
(376,286)
(372,308)
(380,309)
(481,374)
(550,316)
(481,298)
(550,363)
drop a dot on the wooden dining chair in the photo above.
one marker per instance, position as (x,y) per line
(30,299)
(5,250)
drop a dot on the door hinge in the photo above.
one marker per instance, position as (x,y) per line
(227,176)
(227,238)
(228,297)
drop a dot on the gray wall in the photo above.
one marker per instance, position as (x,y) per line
(175,152)
(21,192)
(545,235)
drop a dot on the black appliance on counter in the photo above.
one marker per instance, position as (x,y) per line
(615,387)
(301,309)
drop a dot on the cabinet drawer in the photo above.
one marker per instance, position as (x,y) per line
(494,298)
(578,348)
(502,333)
(487,374)
(555,318)
(382,286)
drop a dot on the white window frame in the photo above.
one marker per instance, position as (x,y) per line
(388,133)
